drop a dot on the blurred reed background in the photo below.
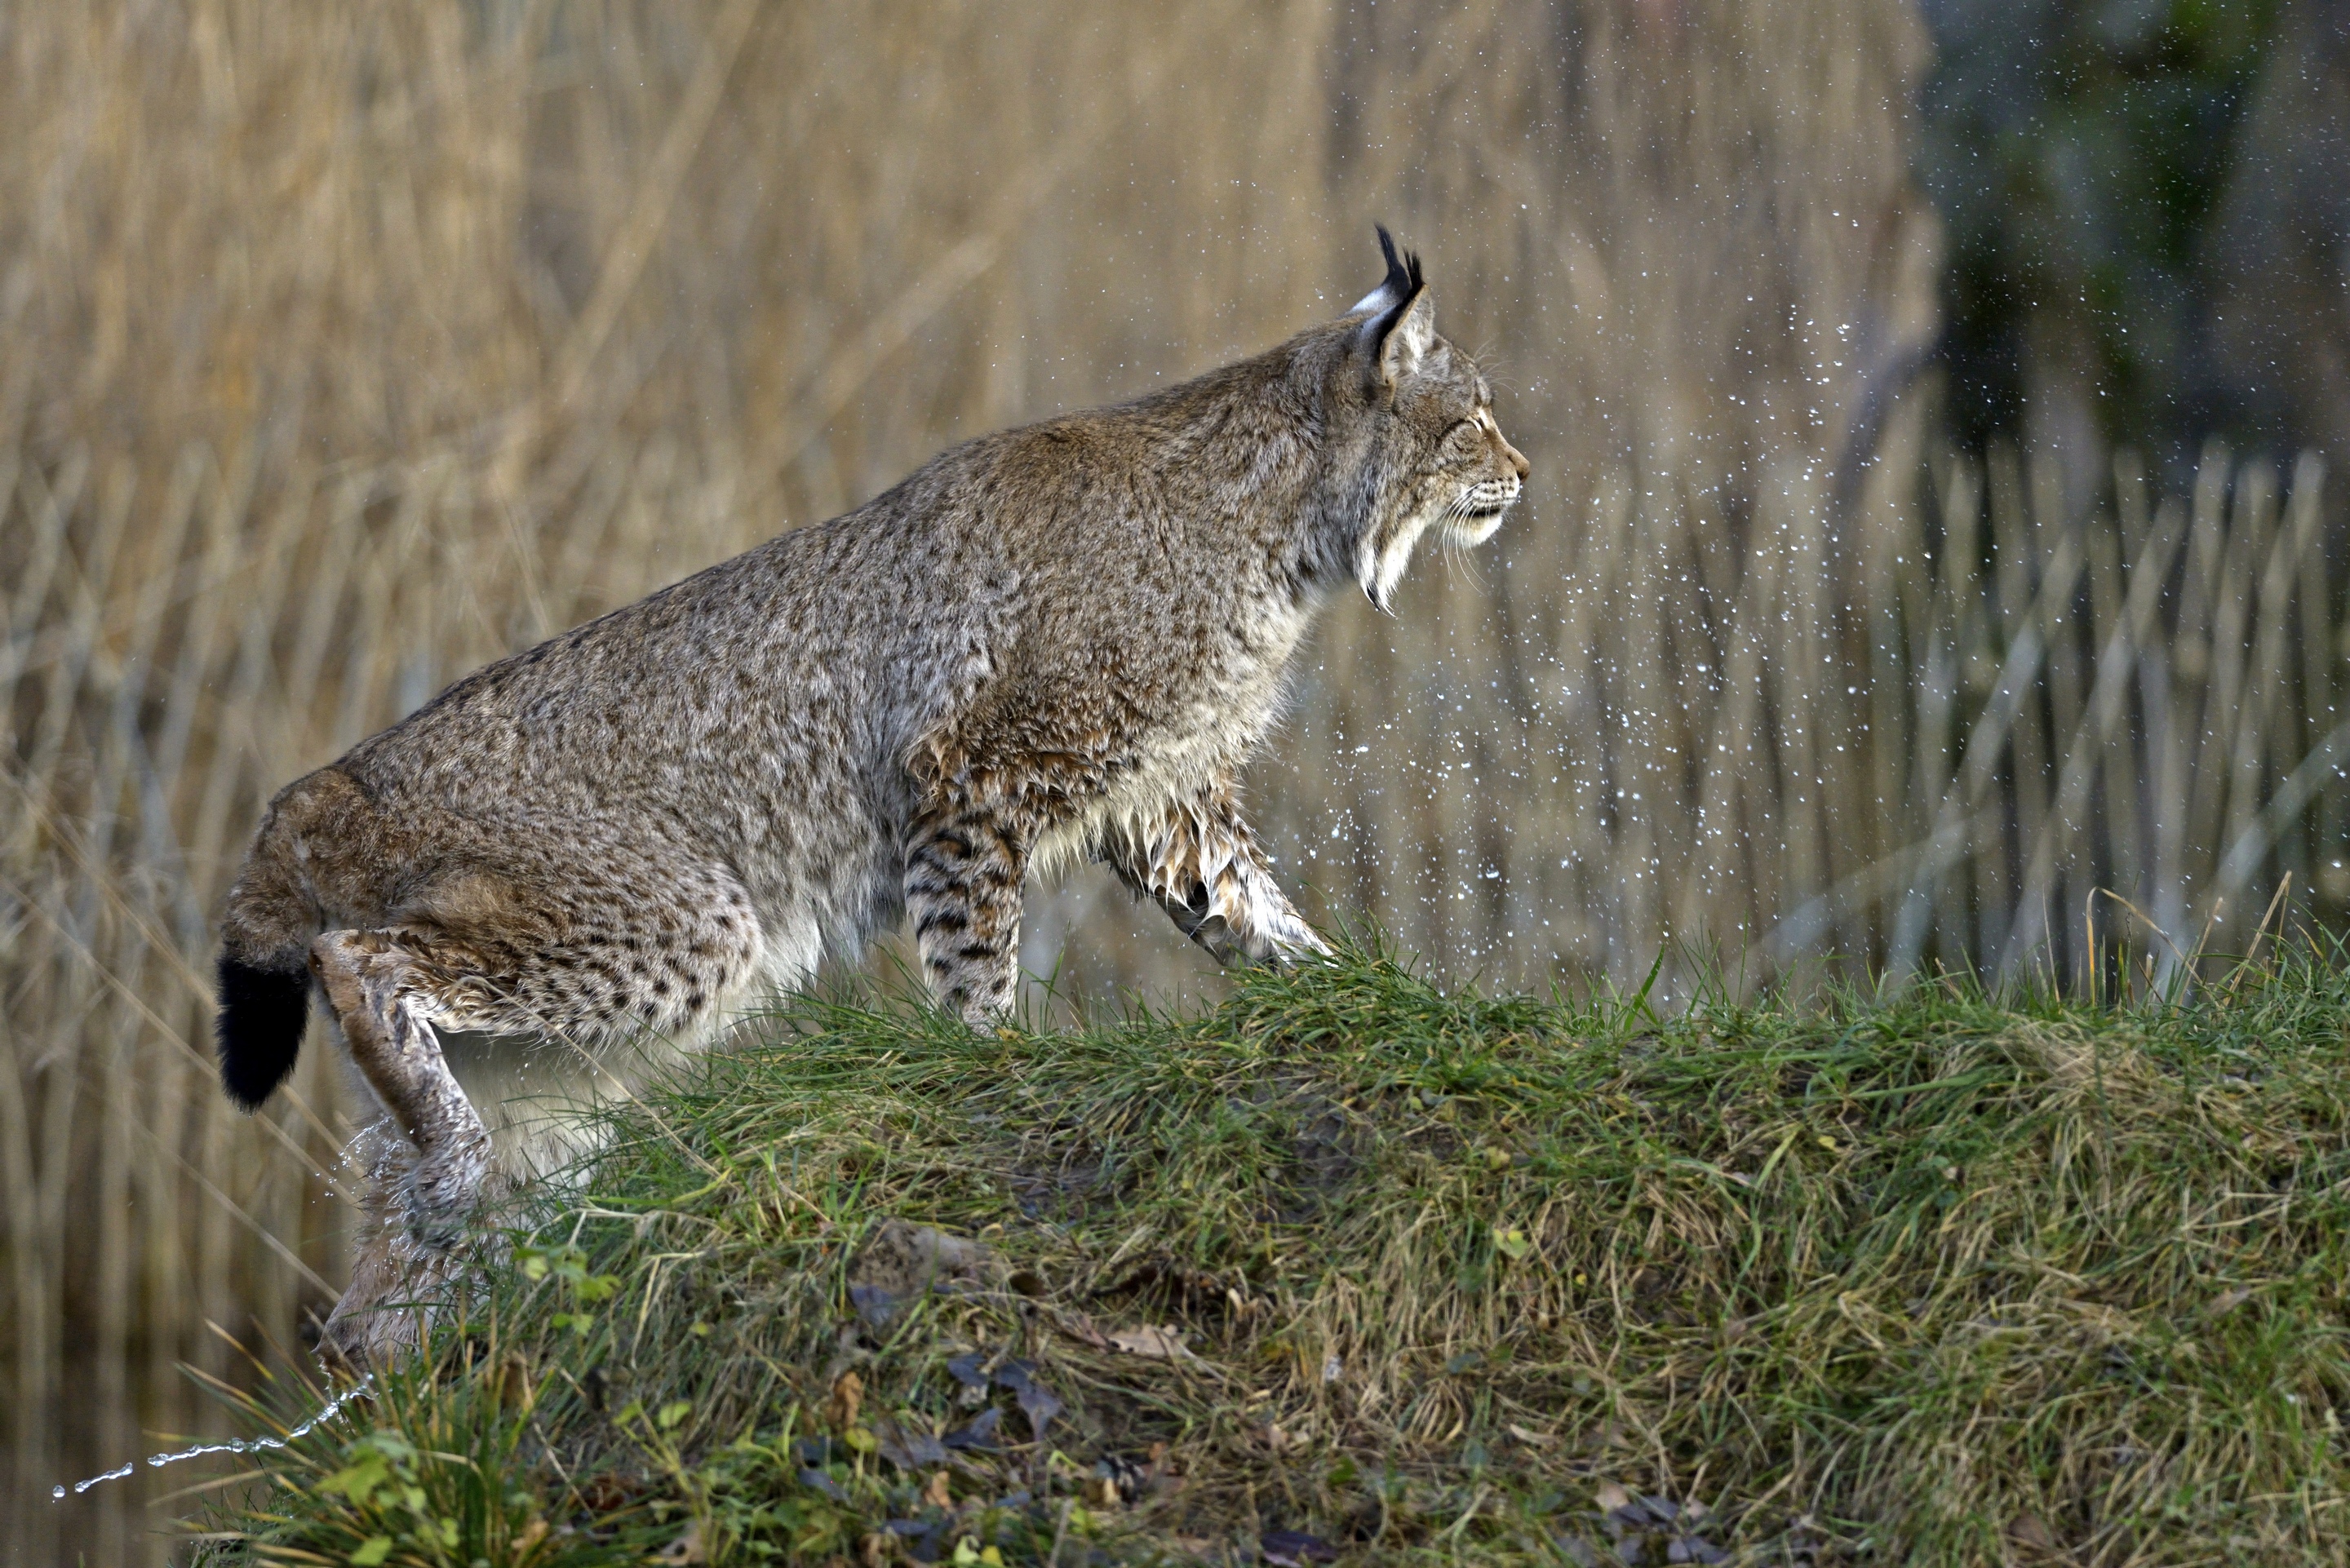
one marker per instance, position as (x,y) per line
(342,349)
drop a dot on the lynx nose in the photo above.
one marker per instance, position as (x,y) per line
(1518,464)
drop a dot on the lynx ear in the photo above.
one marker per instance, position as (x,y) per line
(1408,332)
(1402,317)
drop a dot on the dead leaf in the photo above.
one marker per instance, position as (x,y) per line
(1611,1497)
(2227,1302)
(936,1494)
(1156,1342)
(532,1534)
(908,1448)
(1532,1439)
(1080,1328)
(1601,1437)
(876,1307)
(979,1436)
(686,1548)
(847,1399)
(2027,1530)
(1294,1549)
(899,1262)
(1036,1402)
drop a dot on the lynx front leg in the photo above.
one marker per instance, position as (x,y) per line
(964,867)
(379,989)
(1200,862)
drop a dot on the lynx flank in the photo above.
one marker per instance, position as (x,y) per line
(1055,641)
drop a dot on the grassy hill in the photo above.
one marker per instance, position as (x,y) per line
(1356,1265)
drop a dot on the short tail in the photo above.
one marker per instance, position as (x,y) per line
(266,933)
(262,1013)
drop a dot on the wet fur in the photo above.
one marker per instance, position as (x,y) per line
(1060,640)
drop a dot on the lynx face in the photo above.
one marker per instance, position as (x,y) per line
(1434,457)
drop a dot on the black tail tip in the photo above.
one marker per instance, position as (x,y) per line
(262,1015)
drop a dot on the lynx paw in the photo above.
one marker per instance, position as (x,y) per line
(1266,928)
(443,1189)
(1300,941)
(361,1338)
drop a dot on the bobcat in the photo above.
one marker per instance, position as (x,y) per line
(1056,641)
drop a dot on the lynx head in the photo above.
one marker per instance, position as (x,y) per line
(1415,432)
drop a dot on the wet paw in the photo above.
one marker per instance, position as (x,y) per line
(353,1344)
(1299,941)
(982,1014)
(443,1189)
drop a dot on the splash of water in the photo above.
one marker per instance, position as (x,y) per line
(239,1446)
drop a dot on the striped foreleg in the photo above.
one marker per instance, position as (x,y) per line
(965,867)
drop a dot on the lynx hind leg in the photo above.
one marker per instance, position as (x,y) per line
(964,867)
(1202,864)
(659,952)
(386,988)
(397,1282)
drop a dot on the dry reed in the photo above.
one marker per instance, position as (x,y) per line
(348,348)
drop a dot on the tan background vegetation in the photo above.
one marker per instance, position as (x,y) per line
(342,349)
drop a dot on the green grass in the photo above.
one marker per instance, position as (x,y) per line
(1947,1279)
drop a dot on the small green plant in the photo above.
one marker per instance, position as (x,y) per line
(568,1265)
(434,1468)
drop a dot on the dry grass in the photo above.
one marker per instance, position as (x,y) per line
(350,346)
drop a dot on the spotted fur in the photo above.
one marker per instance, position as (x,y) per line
(1054,642)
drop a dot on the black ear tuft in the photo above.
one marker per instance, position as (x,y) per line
(1403,279)
(1398,289)
(1400,327)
